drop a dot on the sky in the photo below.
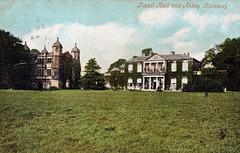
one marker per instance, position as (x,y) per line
(111,29)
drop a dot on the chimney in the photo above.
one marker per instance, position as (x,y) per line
(151,53)
(188,54)
(172,52)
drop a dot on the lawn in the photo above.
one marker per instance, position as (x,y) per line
(118,121)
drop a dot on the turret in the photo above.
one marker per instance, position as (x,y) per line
(57,48)
(26,48)
(75,53)
(44,51)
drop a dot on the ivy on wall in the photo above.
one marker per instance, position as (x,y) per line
(134,75)
(117,79)
(179,74)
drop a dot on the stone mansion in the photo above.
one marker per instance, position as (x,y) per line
(54,69)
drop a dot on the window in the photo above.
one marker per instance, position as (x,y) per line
(139,82)
(173,85)
(49,72)
(130,68)
(130,83)
(40,61)
(173,67)
(139,67)
(40,72)
(185,66)
(56,49)
(184,81)
(49,60)
(160,67)
(47,85)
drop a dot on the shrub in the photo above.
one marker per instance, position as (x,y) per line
(53,88)
(202,84)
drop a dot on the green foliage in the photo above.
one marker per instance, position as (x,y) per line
(228,58)
(67,73)
(179,74)
(34,51)
(209,71)
(77,71)
(92,66)
(117,79)
(15,63)
(202,84)
(116,64)
(93,79)
(134,75)
(209,56)
(123,121)
(146,51)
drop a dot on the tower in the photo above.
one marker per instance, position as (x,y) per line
(75,53)
(77,66)
(26,48)
(56,63)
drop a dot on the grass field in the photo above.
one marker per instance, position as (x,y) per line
(118,121)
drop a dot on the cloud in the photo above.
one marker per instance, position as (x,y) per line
(179,34)
(227,19)
(179,45)
(106,43)
(202,22)
(184,47)
(157,16)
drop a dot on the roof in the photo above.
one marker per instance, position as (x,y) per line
(138,59)
(44,51)
(67,54)
(57,44)
(176,57)
(115,69)
(75,49)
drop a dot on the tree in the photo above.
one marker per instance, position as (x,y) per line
(15,64)
(226,56)
(146,51)
(93,79)
(77,70)
(117,64)
(34,51)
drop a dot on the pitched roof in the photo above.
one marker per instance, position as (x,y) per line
(44,51)
(57,44)
(75,49)
(26,48)
(138,59)
(176,57)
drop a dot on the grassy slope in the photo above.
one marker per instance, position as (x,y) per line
(123,121)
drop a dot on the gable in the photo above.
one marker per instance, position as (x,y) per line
(156,57)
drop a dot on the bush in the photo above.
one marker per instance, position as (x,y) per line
(202,84)
(53,88)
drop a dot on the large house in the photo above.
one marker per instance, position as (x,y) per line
(54,69)
(162,72)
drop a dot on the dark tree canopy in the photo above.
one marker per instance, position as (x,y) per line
(226,56)
(15,63)
(93,79)
(92,66)
(77,70)
(146,51)
(34,51)
(116,64)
